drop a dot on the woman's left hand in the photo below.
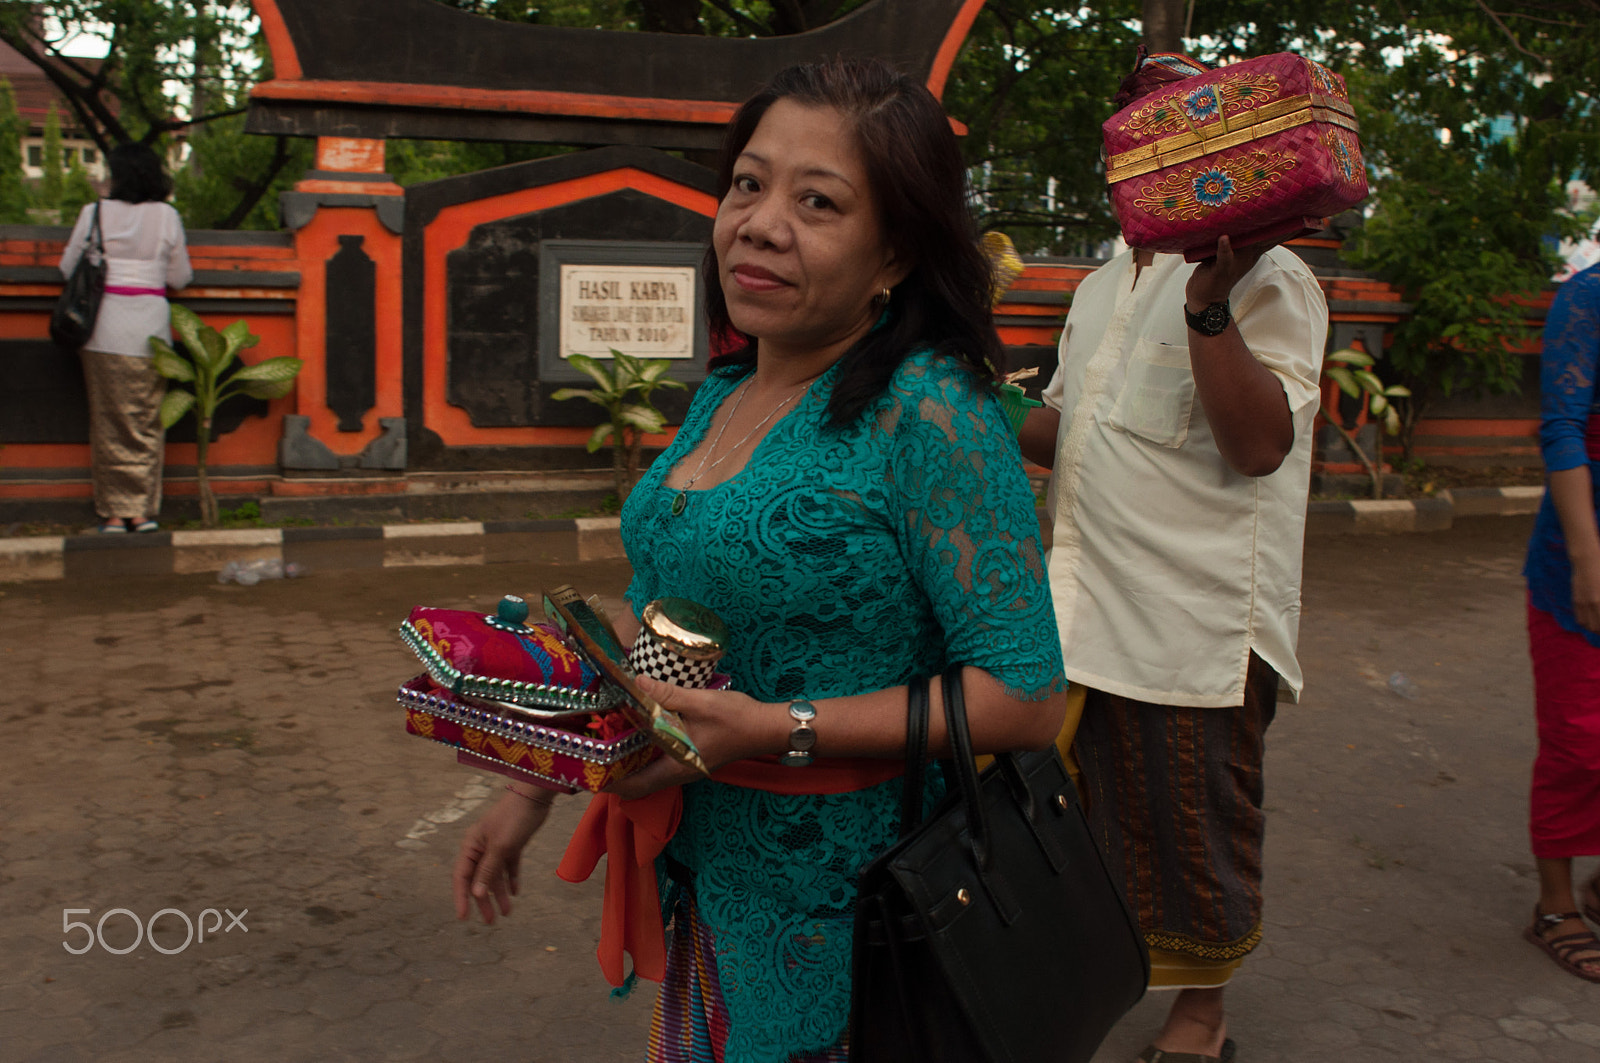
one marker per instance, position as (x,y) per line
(726,726)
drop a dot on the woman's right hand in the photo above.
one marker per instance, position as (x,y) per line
(486,870)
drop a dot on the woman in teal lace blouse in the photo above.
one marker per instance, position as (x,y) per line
(845,492)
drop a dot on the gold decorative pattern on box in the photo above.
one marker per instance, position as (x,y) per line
(1196,191)
(1224,97)
(1285,114)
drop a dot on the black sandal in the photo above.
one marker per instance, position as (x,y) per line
(1565,948)
(1152,1054)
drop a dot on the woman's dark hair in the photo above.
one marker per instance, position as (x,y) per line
(137,175)
(919,184)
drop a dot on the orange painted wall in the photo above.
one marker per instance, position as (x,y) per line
(317,242)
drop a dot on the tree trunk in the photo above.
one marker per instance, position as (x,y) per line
(619,465)
(208,501)
(635,441)
(1163,25)
(1408,424)
(258,188)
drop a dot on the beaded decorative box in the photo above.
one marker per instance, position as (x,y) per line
(1261,150)
(587,754)
(546,702)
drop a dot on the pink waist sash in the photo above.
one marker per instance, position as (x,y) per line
(120,289)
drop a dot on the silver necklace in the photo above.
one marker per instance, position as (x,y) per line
(681,500)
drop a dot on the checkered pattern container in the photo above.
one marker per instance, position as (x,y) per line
(658,661)
(1261,150)
(679,642)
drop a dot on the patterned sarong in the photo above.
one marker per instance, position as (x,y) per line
(690,1023)
(1174,798)
(126,440)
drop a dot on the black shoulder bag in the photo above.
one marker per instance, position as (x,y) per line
(992,932)
(72,322)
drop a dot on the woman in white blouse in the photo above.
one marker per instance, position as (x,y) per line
(145,255)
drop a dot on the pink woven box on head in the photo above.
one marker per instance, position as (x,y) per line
(1262,150)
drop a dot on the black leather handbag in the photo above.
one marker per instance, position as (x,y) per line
(991,932)
(78,305)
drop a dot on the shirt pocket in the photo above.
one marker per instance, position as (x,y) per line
(1158,395)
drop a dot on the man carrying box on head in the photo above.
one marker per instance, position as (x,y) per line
(1178,427)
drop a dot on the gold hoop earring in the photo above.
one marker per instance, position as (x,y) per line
(884,297)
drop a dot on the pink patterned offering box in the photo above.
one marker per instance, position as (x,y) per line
(1261,150)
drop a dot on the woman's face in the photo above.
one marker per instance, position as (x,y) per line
(801,249)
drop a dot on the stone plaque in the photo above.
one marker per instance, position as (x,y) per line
(644,311)
(640,296)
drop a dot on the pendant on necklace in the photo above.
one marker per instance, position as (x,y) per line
(680,502)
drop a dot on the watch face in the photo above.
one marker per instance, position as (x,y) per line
(1212,320)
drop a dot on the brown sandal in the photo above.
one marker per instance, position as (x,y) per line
(1592,911)
(1563,949)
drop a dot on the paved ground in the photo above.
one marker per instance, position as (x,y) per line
(177,744)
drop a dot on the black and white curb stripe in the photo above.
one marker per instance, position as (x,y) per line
(386,546)
(585,539)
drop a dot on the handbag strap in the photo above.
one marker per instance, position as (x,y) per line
(961,761)
(911,797)
(96,237)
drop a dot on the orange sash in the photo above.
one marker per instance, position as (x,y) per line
(631,834)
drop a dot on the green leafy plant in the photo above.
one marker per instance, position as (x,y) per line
(623,391)
(203,364)
(1352,371)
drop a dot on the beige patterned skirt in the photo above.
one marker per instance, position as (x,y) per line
(126,440)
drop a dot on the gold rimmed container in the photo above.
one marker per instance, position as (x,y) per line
(679,642)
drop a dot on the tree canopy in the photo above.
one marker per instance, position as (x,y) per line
(1474,117)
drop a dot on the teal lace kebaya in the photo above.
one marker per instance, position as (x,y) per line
(844,561)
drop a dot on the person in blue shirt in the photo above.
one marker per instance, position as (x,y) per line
(1563,573)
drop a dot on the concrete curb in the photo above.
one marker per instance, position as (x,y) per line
(386,546)
(1367,516)
(584,539)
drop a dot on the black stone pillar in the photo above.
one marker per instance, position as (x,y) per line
(351,333)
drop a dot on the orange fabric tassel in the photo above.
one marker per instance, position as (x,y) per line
(631,834)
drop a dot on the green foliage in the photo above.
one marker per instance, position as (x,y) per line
(50,185)
(413,161)
(203,363)
(76,191)
(1033,84)
(232,178)
(14,199)
(622,389)
(1471,136)
(158,49)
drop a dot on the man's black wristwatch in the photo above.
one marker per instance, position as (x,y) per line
(1210,321)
